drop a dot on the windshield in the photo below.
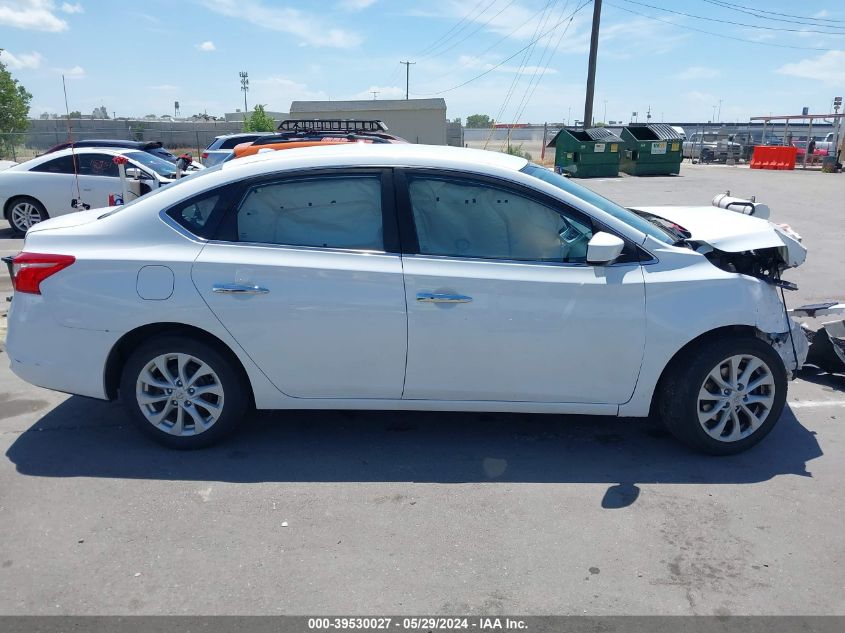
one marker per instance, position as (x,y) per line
(167,187)
(620,213)
(158,165)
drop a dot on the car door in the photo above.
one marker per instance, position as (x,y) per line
(307,277)
(502,305)
(53,183)
(99,180)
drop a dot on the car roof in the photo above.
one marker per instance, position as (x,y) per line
(236,134)
(350,154)
(38,160)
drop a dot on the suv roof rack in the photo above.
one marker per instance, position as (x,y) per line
(332,125)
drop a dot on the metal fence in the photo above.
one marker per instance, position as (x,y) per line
(42,135)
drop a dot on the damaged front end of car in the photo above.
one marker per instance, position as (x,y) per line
(753,247)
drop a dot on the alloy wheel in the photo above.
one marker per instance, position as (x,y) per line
(24,215)
(736,398)
(179,394)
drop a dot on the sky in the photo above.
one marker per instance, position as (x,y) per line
(514,60)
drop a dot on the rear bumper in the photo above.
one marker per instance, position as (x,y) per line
(52,356)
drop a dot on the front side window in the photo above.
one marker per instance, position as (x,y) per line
(461,218)
(327,212)
(97,165)
(608,206)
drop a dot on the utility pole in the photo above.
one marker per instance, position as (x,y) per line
(407,76)
(719,114)
(375,92)
(604,118)
(591,68)
(244,75)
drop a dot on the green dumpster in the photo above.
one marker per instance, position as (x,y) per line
(591,153)
(651,150)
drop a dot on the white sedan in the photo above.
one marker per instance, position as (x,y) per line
(407,277)
(69,180)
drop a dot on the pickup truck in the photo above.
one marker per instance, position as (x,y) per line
(708,148)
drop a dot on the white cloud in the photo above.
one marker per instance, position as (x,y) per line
(32,15)
(384,92)
(21,61)
(310,28)
(821,14)
(206,46)
(467,61)
(77,72)
(698,72)
(67,7)
(277,92)
(355,5)
(828,68)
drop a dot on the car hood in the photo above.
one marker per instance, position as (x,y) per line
(733,232)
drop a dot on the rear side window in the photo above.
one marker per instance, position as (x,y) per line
(326,212)
(63,165)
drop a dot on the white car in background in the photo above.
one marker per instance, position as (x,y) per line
(407,277)
(222,146)
(68,181)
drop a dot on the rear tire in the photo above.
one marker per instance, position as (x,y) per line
(724,396)
(23,212)
(182,392)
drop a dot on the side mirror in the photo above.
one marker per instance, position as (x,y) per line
(603,248)
(134,172)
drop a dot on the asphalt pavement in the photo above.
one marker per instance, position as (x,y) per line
(438,513)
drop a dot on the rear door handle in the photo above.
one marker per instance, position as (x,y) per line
(238,289)
(437,297)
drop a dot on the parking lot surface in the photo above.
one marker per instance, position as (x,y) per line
(439,513)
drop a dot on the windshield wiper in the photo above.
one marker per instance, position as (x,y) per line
(680,234)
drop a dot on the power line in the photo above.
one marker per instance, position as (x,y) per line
(500,40)
(544,64)
(722,35)
(750,26)
(447,33)
(544,17)
(471,33)
(510,57)
(756,12)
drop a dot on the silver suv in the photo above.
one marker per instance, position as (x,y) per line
(221,147)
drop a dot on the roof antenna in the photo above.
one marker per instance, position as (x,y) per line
(78,200)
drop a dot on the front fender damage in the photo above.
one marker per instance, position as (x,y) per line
(774,326)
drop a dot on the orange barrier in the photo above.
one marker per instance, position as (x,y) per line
(766,157)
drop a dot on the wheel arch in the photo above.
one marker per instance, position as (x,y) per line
(127,343)
(719,332)
(7,207)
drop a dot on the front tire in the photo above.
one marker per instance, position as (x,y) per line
(723,397)
(23,213)
(182,392)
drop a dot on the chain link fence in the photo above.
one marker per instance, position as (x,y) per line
(178,137)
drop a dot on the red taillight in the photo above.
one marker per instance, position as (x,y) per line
(205,154)
(30,269)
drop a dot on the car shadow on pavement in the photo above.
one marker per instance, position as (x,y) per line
(86,438)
